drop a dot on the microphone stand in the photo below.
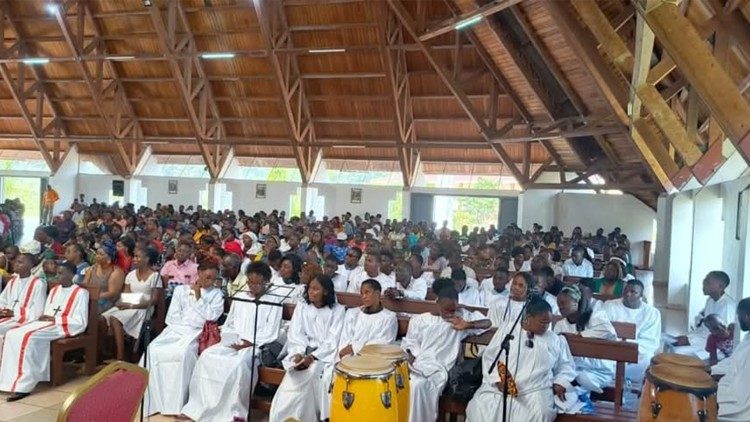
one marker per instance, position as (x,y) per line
(257,301)
(505,346)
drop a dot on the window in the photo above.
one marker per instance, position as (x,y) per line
(360,172)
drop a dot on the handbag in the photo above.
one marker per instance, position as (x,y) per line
(464,379)
(209,336)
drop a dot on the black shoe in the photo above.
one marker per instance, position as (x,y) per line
(17,396)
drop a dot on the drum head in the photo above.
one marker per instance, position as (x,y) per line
(682,378)
(387,351)
(681,360)
(364,366)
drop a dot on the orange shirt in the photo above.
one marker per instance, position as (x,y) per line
(50,197)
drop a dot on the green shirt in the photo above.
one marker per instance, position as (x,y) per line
(599,282)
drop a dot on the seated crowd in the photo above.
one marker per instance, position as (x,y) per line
(219,276)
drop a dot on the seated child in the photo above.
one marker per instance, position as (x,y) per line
(721,338)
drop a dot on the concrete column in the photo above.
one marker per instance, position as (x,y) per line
(708,243)
(680,251)
(406,203)
(216,193)
(65,180)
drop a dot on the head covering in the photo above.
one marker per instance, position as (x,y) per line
(33,247)
(109,248)
(217,228)
(284,246)
(251,235)
(573,291)
(341,236)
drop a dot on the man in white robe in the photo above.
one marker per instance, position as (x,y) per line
(407,286)
(733,395)
(22,300)
(631,308)
(221,385)
(577,265)
(173,354)
(719,303)
(468,293)
(371,270)
(338,276)
(494,288)
(433,343)
(26,351)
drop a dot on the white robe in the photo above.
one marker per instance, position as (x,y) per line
(435,346)
(416,290)
(489,294)
(26,298)
(300,393)
(470,296)
(173,354)
(360,329)
(552,300)
(221,385)
(733,395)
(534,370)
(593,374)
(726,309)
(647,322)
(504,311)
(357,277)
(26,352)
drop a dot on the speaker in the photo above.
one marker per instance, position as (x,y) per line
(118,188)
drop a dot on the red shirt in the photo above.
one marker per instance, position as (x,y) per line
(716,343)
(233,247)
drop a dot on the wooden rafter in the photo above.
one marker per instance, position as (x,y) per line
(409,24)
(275,31)
(394,62)
(485,10)
(175,37)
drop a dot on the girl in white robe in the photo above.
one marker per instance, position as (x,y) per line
(221,385)
(311,343)
(369,324)
(580,319)
(173,354)
(432,344)
(23,298)
(507,308)
(540,363)
(26,352)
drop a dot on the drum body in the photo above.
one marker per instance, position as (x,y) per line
(364,389)
(678,393)
(394,354)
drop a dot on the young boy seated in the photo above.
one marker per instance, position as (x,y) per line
(721,338)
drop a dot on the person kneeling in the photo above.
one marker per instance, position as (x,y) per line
(26,351)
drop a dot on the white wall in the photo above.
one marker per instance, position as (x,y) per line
(188,190)
(591,212)
(65,180)
(375,199)
(708,234)
(277,195)
(537,206)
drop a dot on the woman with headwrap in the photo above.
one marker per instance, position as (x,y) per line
(106,275)
(580,319)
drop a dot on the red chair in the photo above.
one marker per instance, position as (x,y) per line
(113,394)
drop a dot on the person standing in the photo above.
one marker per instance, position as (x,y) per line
(49,199)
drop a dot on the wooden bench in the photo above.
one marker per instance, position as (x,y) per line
(86,341)
(620,351)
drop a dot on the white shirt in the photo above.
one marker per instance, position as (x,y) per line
(525,267)
(417,288)
(585,270)
(469,272)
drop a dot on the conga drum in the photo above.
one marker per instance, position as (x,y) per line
(678,393)
(680,360)
(394,354)
(364,389)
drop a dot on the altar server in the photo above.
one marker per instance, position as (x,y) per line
(22,300)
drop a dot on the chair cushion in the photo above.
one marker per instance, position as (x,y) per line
(97,404)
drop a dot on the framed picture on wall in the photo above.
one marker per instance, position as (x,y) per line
(356,196)
(260,191)
(172,187)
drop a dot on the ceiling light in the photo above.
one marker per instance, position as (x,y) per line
(217,56)
(467,22)
(327,50)
(121,58)
(147,3)
(51,8)
(36,60)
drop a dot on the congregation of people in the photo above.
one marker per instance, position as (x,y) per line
(223,276)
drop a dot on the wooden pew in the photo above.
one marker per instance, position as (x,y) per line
(620,351)
(86,341)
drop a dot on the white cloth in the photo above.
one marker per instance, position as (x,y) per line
(341,279)
(534,370)
(435,346)
(173,354)
(726,309)
(525,267)
(132,319)
(647,322)
(489,294)
(221,385)
(593,374)
(470,296)
(416,290)
(470,273)
(26,298)
(504,311)
(26,350)
(357,277)
(301,392)
(585,270)
(733,395)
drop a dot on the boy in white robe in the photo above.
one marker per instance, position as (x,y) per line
(432,344)
(468,293)
(406,286)
(580,319)
(173,354)
(22,300)
(631,308)
(539,363)
(221,385)
(369,324)
(506,309)
(371,270)
(26,351)
(719,303)
(494,288)
(311,345)
(733,396)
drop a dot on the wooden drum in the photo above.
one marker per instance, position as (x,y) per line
(364,389)
(678,393)
(680,360)
(394,354)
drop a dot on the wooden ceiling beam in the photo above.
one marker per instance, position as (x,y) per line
(482,11)
(704,73)
(193,84)
(291,87)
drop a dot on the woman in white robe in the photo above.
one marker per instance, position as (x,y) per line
(311,343)
(432,344)
(579,319)
(173,354)
(540,363)
(221,385)
(369,324)
(26,351)
(506,309)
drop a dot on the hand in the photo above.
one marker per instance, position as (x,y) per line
(243,344)
(391,293)
(500,386)
(296,358)
(46,318)
(346,351)
(459,323)
(196,290)
(410,357)
(6,313)
(559,391)
(681,341)
(122,305)
(305,363)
